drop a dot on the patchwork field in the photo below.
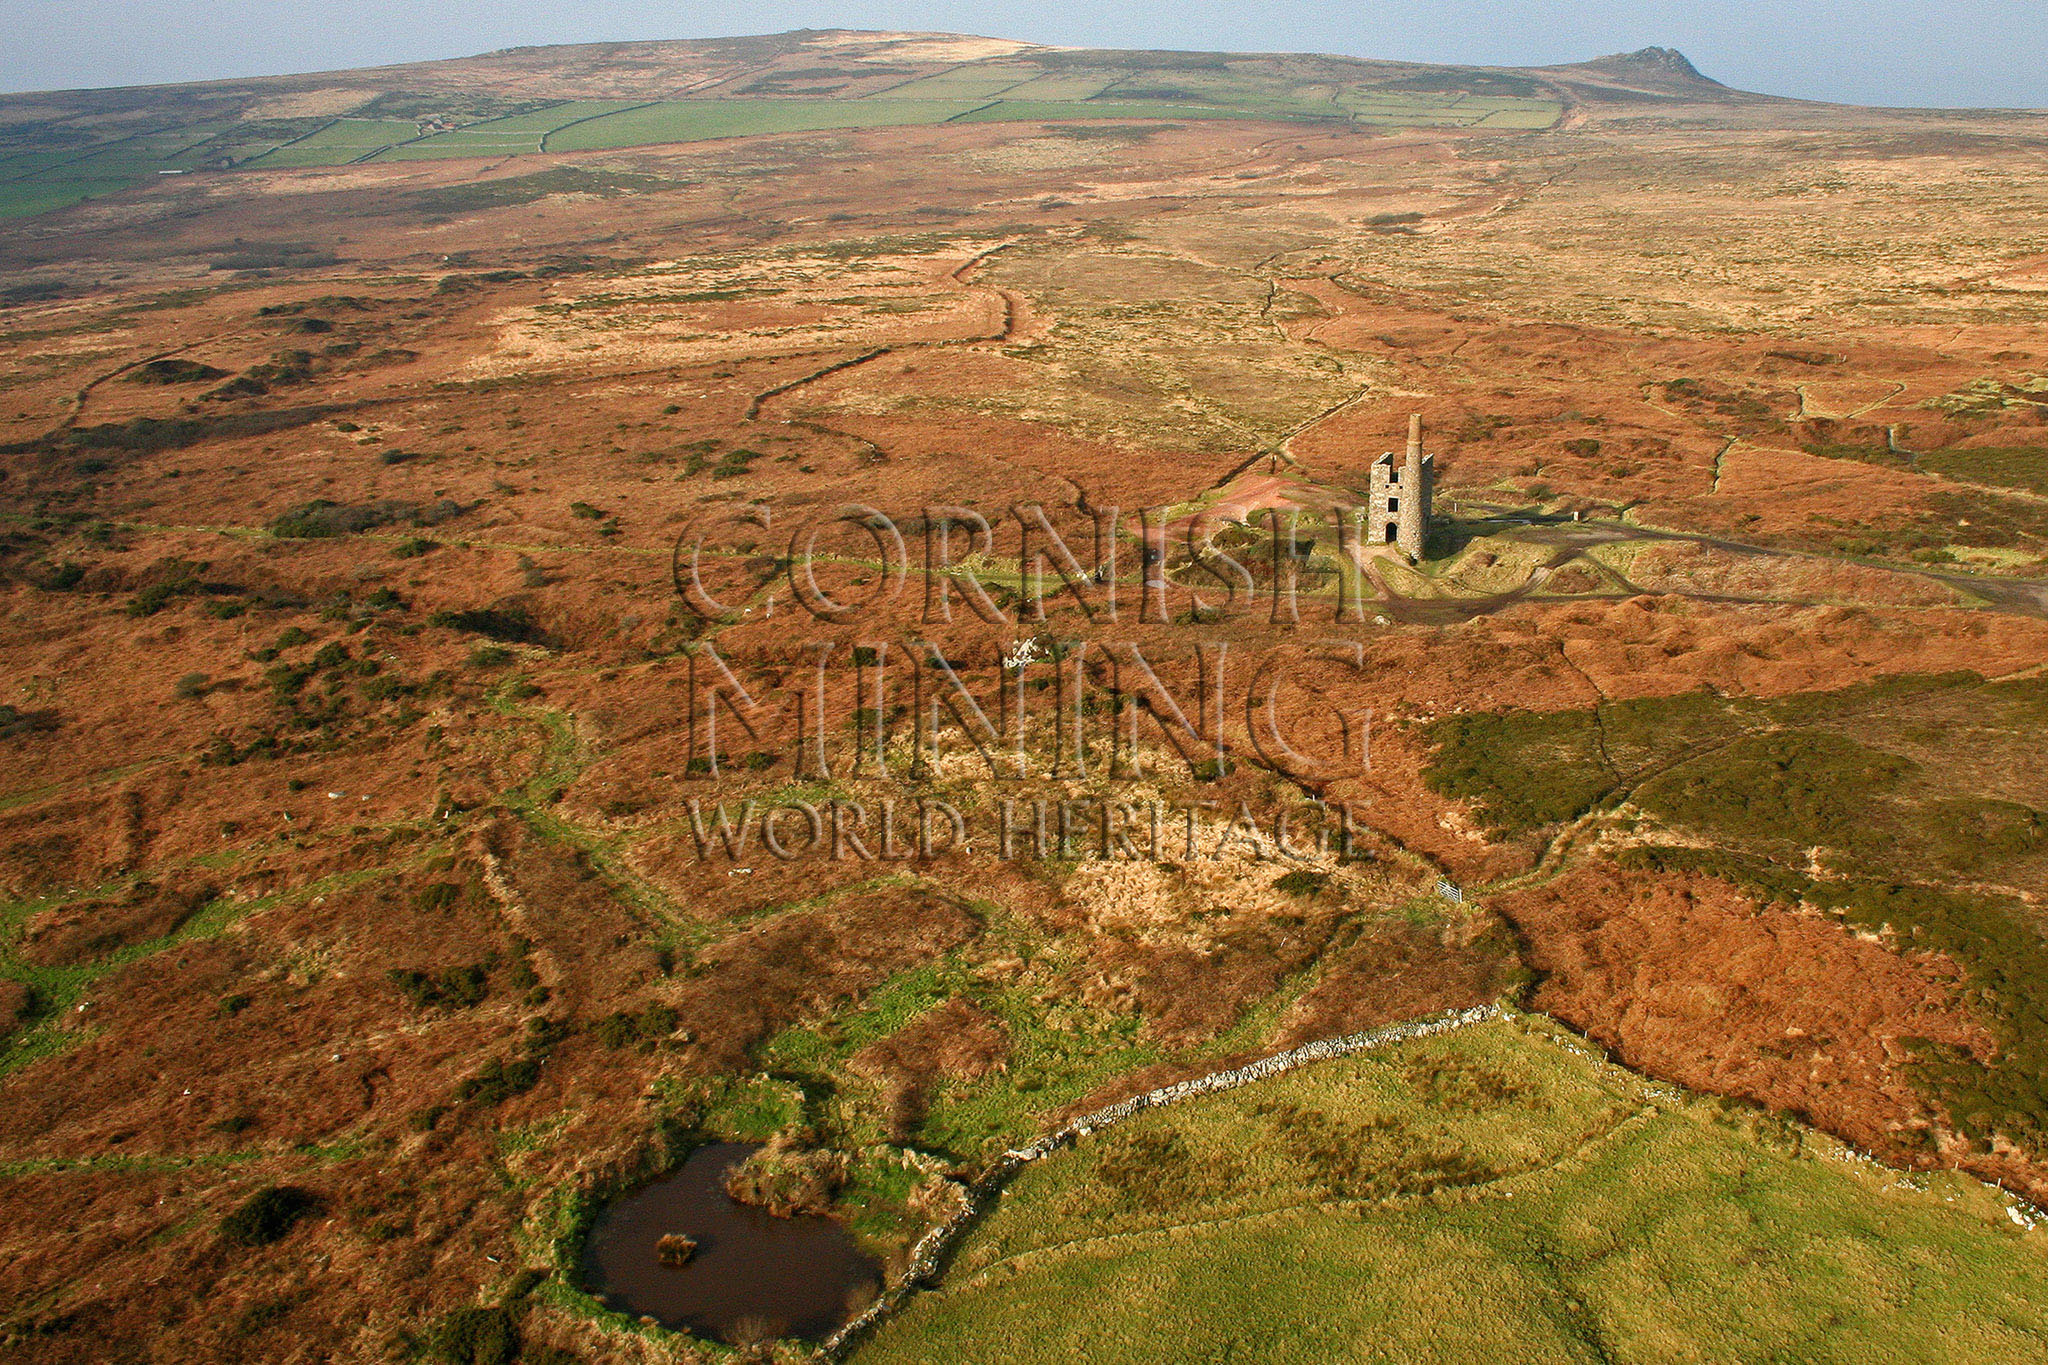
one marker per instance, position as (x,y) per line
(60,149)
(1496,1195)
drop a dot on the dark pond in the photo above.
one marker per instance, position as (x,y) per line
(799,1274)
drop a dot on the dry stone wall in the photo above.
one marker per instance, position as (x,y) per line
(928,1257)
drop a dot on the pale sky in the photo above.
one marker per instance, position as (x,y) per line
(1959,53)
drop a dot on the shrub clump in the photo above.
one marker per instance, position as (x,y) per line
(511,624)
(437,896)
(62,576)
(644,1028)
(474,1336)
(268,1215)
(322,517)
(1808,788)
(499,1080)
(1485,758)
(449,988)
(174,578)
(174,371)
(14,722)
(1301,882)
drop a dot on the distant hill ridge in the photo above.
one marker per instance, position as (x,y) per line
(632,63)
(1652,61)
(58,148)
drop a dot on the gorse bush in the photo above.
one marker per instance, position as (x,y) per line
(642,1028)
(509,624)
(1523,769)
(15,722)
(179,579)
(449,988)
(436,896)
(1973,833)
(322,518)
(499,1080)
(60,577)
(268,1215)
(1301,882)
(174,371)
(474,1336)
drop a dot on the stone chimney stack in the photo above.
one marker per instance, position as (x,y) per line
(1414,513)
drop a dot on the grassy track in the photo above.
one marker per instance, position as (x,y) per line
(1517,1201)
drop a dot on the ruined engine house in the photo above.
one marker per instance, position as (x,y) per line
(1397,507)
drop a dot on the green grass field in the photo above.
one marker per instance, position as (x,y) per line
(1061,87)
(510,136)
(34,181)
(539,121)
(973,84)
(1493,1195)
(339,142)
(697,120)
(25,200)
(1052,111)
